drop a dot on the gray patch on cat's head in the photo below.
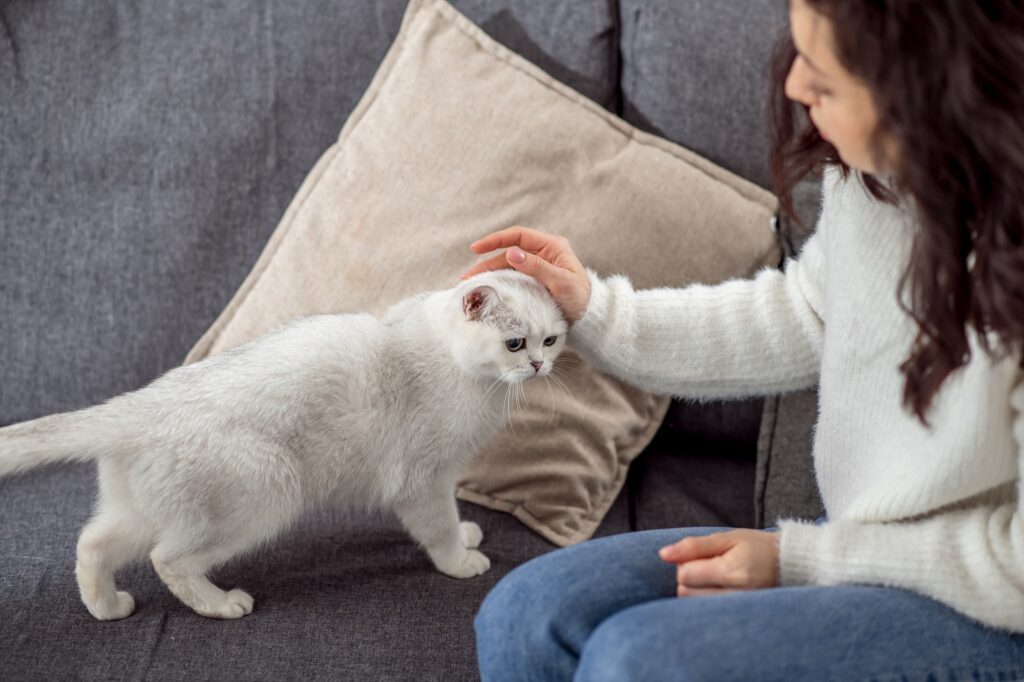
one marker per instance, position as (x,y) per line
(501,310)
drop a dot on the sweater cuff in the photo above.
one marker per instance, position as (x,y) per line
(800,552)
(589,333)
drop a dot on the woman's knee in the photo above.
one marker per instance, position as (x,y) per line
(529,594)
(517,626)
(503,603)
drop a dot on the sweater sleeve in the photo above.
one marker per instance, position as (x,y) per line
(738,338)
(971,559)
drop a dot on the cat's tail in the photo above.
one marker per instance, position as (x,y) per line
(66,437)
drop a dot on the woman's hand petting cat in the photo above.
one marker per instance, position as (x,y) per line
(548,258)
(740,559)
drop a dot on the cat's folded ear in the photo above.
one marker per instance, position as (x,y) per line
(478,303)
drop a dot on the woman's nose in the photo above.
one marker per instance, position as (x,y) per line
(795,86)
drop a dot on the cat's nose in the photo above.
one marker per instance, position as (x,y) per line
(537,365)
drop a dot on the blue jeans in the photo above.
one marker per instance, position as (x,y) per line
(606,610)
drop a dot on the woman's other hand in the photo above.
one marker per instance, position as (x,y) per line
(741,559)
(548,258)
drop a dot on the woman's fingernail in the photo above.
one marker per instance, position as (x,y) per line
(516,256)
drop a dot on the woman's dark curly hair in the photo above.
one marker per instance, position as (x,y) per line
(947,80)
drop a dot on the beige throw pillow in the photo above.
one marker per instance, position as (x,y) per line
(456,137)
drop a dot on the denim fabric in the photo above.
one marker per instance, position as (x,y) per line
(606,610)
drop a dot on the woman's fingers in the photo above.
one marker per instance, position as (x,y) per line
(535,266)
(530,264)
(498,262)
(547,258)
(524,237)
(704,573)
(744,559)
(696,547)
(701,591)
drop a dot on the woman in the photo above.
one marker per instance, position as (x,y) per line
(906,307)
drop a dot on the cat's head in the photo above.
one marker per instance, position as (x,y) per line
(509,327)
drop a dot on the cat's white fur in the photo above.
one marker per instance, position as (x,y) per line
(216,458)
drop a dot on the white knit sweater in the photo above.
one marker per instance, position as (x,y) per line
(932,511)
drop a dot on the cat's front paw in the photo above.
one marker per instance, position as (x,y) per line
(233,604)
(123,608)
(472,563)
(471,534)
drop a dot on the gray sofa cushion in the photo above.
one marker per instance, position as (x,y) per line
(340,599)
(147,150)
(706,482)
(785,485)
(697,73)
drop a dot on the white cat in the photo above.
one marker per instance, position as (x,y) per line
(216,458)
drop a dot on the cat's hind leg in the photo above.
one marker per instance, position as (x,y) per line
(183,569)
(107,542)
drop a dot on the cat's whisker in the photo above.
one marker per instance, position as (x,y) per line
(560,384)
(564,389)
(562,373)
(551,399)
(504,406)
(566,359)
(561,368)
(508,407)
(497,381)
(522,393)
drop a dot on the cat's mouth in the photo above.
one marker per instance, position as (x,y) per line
(520,375)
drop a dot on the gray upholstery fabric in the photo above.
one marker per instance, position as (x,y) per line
(147,151)
(685,478)
(785,484)
(697,73)
(339,599)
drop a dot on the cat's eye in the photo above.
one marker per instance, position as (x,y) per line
(550,341)
(515,344)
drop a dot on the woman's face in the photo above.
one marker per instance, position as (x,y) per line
(840,105)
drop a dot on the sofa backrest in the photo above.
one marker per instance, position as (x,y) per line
(147,151)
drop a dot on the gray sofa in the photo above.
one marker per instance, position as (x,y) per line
(147,151)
